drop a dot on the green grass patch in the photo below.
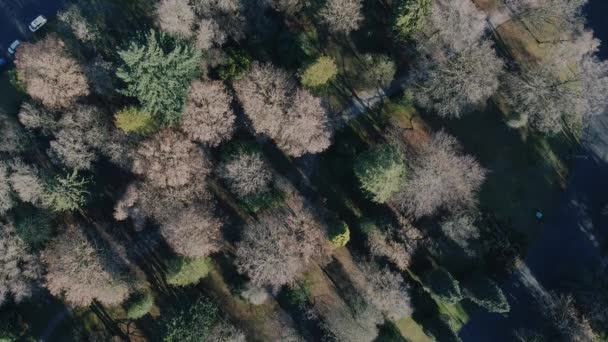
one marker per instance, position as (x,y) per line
(412,331)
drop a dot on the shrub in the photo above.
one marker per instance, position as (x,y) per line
(66,193)
(132,120)
(186,271)
(235,65)
(379,71)
(139,305)
(190,324)
(381,172)
(339,235)
(33,227)
(485,293)
(443,285)
(323,70)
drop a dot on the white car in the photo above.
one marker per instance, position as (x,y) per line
(37,23)
(13,48)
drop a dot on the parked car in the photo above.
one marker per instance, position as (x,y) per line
(37,23)
(13,48)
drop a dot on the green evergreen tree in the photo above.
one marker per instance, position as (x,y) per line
(190,324)
(186,271)
(67,193)
(381,172)
(410,16)
(158,73)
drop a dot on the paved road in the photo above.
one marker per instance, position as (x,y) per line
(15,16)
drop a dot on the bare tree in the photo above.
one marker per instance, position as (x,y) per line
(281,244)
(440,177)
(347,325)
(19,270)
(227,13)
(451,26)
(82,131)
(25,181)
(208,117)
(455,84)
(50,75)
(79,270)
(33,116)
(73,19)
(170,159)
(385,290)
(552,101)
(563,314)
(143,199)
(292,117)
(194,233)
(247,174)
(176,17)
(460,228)
(209,34)
(12,139)
(392,243)
(288,7)
(6,198)
(342,16)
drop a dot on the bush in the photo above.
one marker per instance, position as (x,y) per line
(187,271)
(33,227)
(381,172)
(323,70)
(139,305)
(132,120)
(190,324)
(339,235)
(443,285)
(235,65)
(66,193)
(485,293)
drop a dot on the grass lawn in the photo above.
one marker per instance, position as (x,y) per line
(412,331)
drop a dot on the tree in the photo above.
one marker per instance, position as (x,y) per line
(66,193)
(385,290)
(190,324)
(19,269)
(82,132)
(50,75)
(281,244)
(82,271)
(323,70)
(26,183)
(33,116)
(561,311)
(158,74)
(378,71)
(139,304)
(485,293)
(395,243)
(247,174)
(12,139)
(342,16)
(195,233)
(169,159)
(208,117)
(227,13)
(410,16)
(293,118)
(453,85)
(209,34)
(289,7)
(33,227)
(451,26)
(440,177)
(442,284)
(132,120)
(553,101)
(381,172)
(175,17)
(460,228)
(184,271)
(6,197)
(73,20)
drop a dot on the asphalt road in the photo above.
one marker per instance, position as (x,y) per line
(15,16)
